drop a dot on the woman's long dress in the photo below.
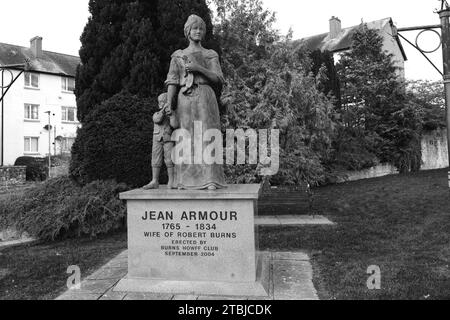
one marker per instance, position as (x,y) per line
(197,102)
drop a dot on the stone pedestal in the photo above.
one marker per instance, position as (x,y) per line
(193,242)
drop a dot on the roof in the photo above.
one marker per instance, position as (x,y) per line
(50,62)
(344,40)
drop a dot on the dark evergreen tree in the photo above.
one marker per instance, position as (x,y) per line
(375,103)
(128,44)
(116,142)
(126,51)
(100,38)
(323,65)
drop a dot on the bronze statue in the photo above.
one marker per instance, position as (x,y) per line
(165,122)
(194,77)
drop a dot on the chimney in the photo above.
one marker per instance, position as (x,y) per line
(36,46)
(335,27)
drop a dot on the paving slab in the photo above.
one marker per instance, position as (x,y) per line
(108,273)
(293,280)
(97,286)
(117,262)
(111,295)
(78,295)
(184,297)
(291,220)
(122,256)
(267,221)
(147,296)
(215,298)
(287,276)
(304,220)
(296,256)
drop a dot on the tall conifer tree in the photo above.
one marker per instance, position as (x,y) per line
(128,44)
(125,55)
(374,101)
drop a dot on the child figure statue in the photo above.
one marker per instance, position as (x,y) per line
(165,122)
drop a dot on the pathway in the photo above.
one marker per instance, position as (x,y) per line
(289,278)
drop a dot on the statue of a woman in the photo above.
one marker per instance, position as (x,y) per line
(193,78)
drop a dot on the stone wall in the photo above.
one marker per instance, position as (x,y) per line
(435,150)
(434,156)
(380,170)
(10,175)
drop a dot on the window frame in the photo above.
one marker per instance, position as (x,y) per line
(30,80)
(31,105)
(66,120)
(65,84)
(30,151)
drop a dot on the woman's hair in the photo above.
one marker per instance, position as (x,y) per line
(190,22)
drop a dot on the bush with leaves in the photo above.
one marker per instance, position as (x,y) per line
(429,97)
(60,208)
(116,142)
(375,104)
(37,168)
(269,86)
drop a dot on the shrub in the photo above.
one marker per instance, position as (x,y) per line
(116,142)
(60,160)
(37,168)
(375,102)
(60,208)
(270,86)
(351,150)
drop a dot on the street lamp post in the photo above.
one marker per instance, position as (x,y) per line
(444,15)
(49,128)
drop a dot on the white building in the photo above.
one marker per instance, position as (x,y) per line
(338,40)
(46,88)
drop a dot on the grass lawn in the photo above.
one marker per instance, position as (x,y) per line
(38,271)
(6,191)
(399,223)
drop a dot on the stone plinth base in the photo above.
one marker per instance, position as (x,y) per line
(192,241)
(259,288)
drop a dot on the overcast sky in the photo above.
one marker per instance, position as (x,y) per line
(60,23)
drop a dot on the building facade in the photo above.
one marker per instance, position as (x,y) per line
(338,40)
(39,110)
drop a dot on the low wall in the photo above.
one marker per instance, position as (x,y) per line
(434,156)
(380,170)
(435,150)
(10,175)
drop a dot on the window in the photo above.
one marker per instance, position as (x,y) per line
(67,84)
(69,114)
(31,145)
(31,112)
(31,80)
(66,144)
